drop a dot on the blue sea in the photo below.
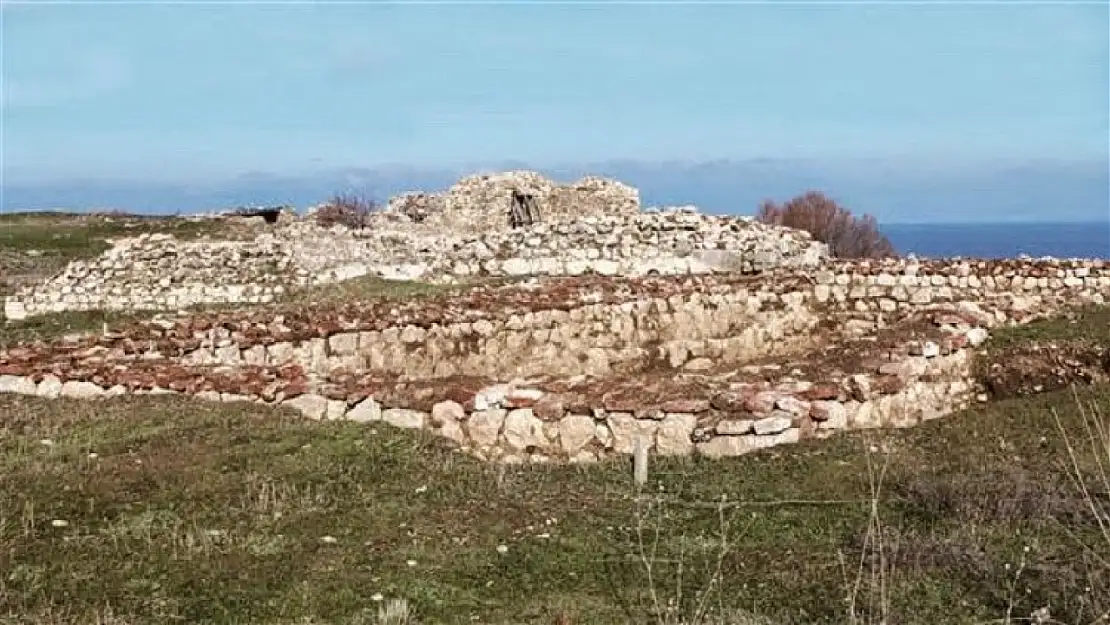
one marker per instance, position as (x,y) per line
(1002,240)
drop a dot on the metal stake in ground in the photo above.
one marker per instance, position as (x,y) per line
(640,460)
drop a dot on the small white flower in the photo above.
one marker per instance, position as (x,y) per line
(502,549)
(421,489)
(59,523)
(329,540)
(93,455)
(46,442)
(410,562)
(377,597)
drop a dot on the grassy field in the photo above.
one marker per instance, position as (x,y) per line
(82,235)
(156,510)
(167,510)
(1090,325)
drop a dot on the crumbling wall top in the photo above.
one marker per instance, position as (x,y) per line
(483,202)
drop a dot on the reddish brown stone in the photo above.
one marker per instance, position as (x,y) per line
(730,401)
(549,408)
(514,402)
(887,384)
(294,388)
(949,319)
(820,392)
(761,403)
(693,406)
(458,394)
(621,401)
(577,404)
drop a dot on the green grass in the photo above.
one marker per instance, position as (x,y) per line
(367,287)
(202,513)
(1089,324)
(79,236)
(56,325)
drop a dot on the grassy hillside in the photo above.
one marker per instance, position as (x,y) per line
(164,510)
(155,510)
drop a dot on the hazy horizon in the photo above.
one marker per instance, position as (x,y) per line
(928,113)
(893,193)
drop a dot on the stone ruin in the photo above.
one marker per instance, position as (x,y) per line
(701,359)
(577,369)
(593,226)
(493,202)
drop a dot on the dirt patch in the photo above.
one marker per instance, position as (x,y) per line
(1072,347)
(1020,370)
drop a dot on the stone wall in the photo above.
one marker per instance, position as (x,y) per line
(576,369)
(515,423)
(597,339)
(481,203)
(665,242)
(592,328)
(158,272)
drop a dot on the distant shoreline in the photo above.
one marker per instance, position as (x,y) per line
(884,224)
(1076,239)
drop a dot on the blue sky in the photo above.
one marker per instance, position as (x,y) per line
(178,92)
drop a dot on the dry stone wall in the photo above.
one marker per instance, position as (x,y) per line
(519,422)
(481,203)
(159,272)
(588,330)
(591,339)
(664,242)
(710,365)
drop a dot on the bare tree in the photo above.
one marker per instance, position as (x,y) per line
(847,236)
(347,209)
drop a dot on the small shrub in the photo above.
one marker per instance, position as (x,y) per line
(346,209)
(847,236)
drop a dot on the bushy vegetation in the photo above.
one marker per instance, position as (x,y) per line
(847,235)
(346,209)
